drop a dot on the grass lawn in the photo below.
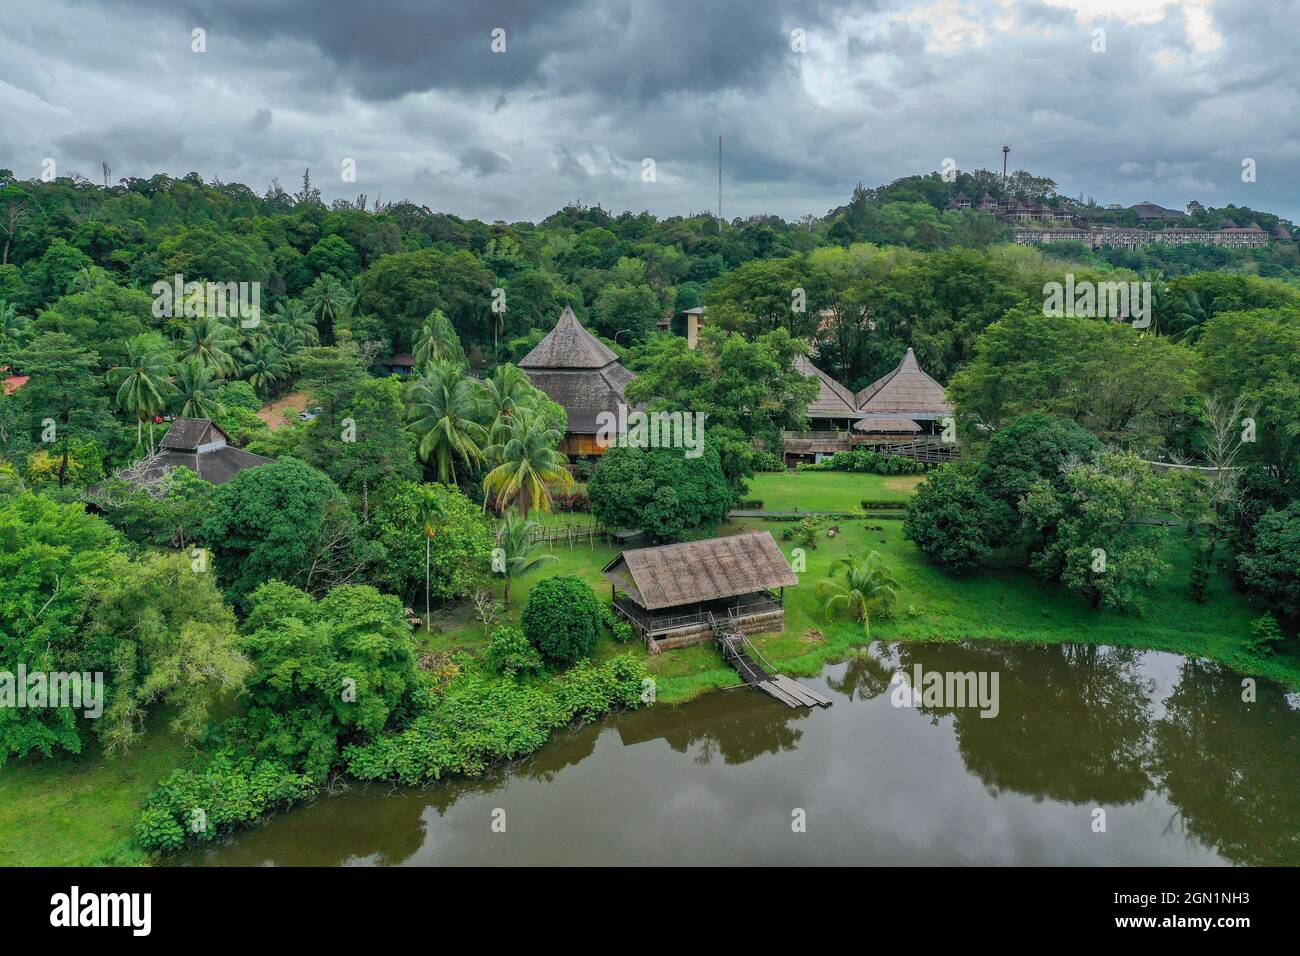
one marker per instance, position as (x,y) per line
(81,810)
(828,490)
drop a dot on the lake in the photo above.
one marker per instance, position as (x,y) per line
(1185,771)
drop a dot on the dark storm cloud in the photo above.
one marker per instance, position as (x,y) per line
(619,48)
(589,89)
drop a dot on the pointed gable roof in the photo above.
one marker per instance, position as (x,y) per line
(907,391)
(569,345)
(189,434)
(833,399)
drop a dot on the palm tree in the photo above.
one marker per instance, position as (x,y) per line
(210,342)
(869,588)
(327,300)
(503,395)
(263,365)
(196,388)
(291,312)
(287,339)
(437,341)
(1190,316)
(86,278)
(526,464)
(519,553)
(429,512)
(143,386)
(14,328)
(444,407)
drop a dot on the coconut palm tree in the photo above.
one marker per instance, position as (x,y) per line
(1190,316)
(287,339)
(143,385)
(15,329)
(196,388)
(444,408)
(292,313)
(526,464)
(517,550)
(86,278)
(327,300)
(437,341)
(869,588)
(263,365)
(430,514)
(212,343)
(507,391)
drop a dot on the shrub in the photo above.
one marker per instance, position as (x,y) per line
(1265,634)
(571,501)
(768,461)
(230,790)
(481,720)
(509,653)
(867,461)
(947,519)
(618,627)
(1271,566)
(561,619)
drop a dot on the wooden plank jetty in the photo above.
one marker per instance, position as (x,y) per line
(740,653)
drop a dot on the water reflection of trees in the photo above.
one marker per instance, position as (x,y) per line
(1232,768)
(1074,720)
(740,737)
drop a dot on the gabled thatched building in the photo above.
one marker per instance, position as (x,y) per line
(672,594)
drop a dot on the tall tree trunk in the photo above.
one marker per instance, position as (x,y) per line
(427,543)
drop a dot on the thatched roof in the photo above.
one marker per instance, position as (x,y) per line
(696,571)
(833,399)
(883,425)
(569,345)
(905,392)
(578,371)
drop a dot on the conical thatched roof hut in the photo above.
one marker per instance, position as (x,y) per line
(581,373)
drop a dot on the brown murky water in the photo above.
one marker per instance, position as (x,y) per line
(1186,773)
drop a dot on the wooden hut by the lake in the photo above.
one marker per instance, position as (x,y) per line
(674,593)
(578,371)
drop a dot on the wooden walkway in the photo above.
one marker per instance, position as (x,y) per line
(740,653)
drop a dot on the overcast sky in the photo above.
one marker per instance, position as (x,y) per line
(586,90)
